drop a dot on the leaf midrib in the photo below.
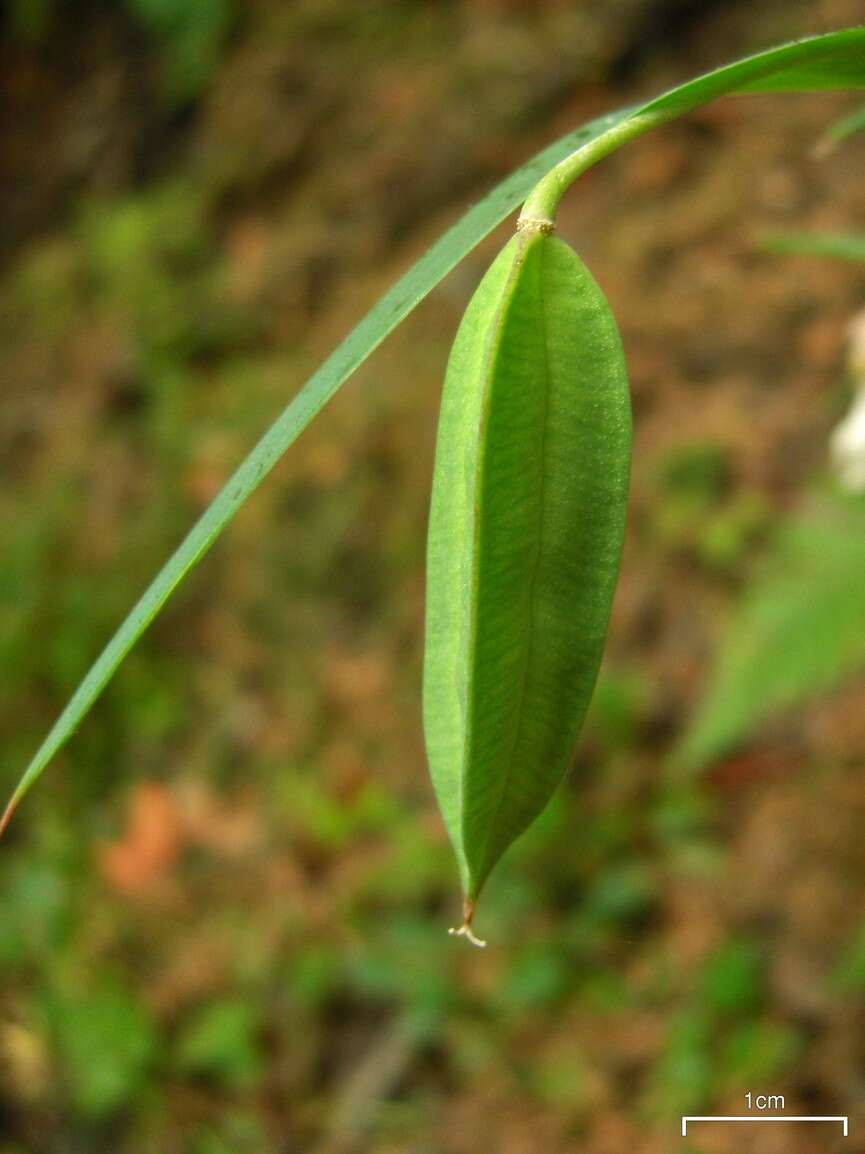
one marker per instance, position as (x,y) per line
(507,776)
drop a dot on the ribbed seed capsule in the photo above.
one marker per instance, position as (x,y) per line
(525,537)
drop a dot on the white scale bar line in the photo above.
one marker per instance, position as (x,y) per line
(842,1118)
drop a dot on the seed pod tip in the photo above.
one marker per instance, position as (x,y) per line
(465,930)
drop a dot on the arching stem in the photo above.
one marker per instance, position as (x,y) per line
(539,210)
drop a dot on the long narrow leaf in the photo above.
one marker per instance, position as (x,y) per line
(836,60)
(382,319)
(848,125)
(840,245)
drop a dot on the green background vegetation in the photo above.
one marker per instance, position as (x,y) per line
(222,914)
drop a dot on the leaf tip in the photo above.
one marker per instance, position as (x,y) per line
(7,815)
(825,146)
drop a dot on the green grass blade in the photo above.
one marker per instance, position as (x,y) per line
(392,308)
(836,60)
(848,125)
(840,245)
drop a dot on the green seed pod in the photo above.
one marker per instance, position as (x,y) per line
(525,538)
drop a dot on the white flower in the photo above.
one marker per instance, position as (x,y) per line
(847,444)
(856,348)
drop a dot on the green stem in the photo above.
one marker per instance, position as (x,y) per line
(539,210)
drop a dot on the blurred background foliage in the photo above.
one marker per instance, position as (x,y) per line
(223,914)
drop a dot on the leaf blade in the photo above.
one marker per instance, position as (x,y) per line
(553,502)
(796,633)
(817,63)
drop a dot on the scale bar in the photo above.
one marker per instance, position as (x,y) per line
(842,1118)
